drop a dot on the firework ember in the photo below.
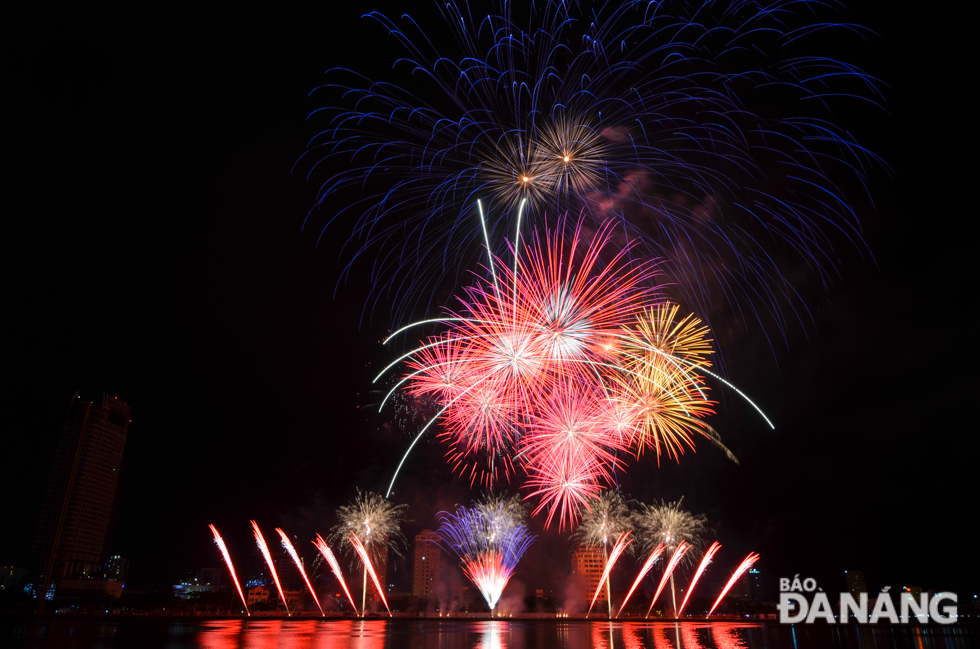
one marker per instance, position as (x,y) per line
(747,563)
(489,538)
(231,568)
(327,553)
(299,566)
(264,549)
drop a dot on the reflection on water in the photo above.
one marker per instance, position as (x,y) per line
(127,633)
(283,634)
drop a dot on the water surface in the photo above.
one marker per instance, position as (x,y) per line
(156,633)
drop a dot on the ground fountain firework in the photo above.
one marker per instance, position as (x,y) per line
(288,547)
(369,570)
(619,547)
(606,518)
(678,554)
(264,549)
(489,537)
(647,565)
(705,560)
(676,529)
(331,560)
(742,568)
(369,526)
(220,542)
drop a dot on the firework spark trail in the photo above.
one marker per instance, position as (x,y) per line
(299,566)
(362,552)
(327,553)
(747,563)
(621,544)
(264,549)
(657,551)
(231,568)
(709,553)
(675,559)
(489,537)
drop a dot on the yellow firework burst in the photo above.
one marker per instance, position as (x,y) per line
(662,384)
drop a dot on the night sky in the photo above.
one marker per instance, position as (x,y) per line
(153,249)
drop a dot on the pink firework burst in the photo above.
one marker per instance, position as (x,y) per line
(561,366)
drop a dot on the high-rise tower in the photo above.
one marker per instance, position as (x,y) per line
(428,562)
(589,562)
(81,491)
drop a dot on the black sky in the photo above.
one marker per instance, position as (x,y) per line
(153,250)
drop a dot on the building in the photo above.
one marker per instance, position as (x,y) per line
(257,594)
(206,580)
(756,592)
(427,564)
(81,492)
(292,599)
(589,563)
(748,587)
(855,583)
(856,586)
(12,578)
(116,568)
(262,595)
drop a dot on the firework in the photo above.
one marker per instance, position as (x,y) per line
(264,549)
(621,544)
(327,553)
(663,360)
(561,368)
(288,546)
(666,523)
(675,559)
(607,517)
(489,538)
(376,523)
(619,111)
(517,371)
(657,551)
(709,553)
(369,567)
(747,563)
(231,568)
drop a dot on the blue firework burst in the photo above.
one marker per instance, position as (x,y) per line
(706,129)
